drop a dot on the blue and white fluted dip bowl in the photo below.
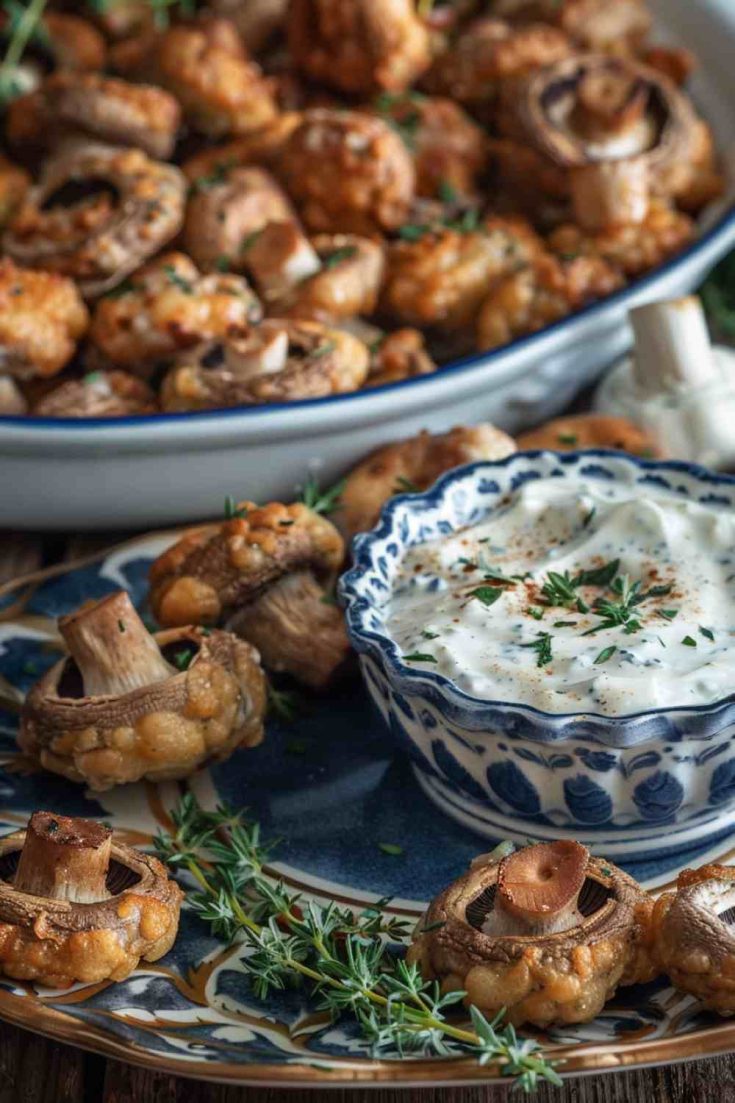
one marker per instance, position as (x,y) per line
(649,782)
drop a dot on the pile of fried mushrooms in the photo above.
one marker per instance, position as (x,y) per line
(272,200)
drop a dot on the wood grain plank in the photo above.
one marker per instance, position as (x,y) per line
(20,553)
(34,1070)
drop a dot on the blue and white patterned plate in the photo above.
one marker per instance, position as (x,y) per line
(332,787)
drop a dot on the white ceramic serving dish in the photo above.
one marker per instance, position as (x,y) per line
(63,474)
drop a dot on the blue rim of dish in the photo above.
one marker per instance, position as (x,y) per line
(476,713)
(721,230)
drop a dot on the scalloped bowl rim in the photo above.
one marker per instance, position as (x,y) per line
(715,239)
(442,690)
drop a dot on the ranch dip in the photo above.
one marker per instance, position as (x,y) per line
(577,596)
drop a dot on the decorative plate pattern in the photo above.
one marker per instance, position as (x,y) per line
(332,788)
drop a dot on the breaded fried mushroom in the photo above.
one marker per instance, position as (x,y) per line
(346,285)
(42,317)
(257,21)
(280,360)
(565,434)
(617,27)
(60,42)
(210,165)
(265,574)
(359,46)
(347,172)
(78,907)
(96,215)
(399,355)
(126,705)
(73,105)
(166,307)
(97,394)
(546,934)
(412,465)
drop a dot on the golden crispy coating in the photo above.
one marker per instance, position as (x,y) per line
(399,355)
(412,464)
(347,285)
(166,307)
(42,317)
(129,208)
(347,172)
(359,46)
(526,180)
(565,434)
(88,104)
(205,66)
(98,394)
(634,248)
(257,21)
(537,296)
(14,185)
(618,27)
(279,361)
(163,731)
(443,277)
(260,148)
(226,209)
(489,53)
(450,150)
(75,43)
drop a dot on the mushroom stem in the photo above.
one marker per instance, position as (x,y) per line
(280,257)
(263,352)
(538,888)
(113,649)
(608,103)
(610,193)
(672,346)
(64,859)
(11,397)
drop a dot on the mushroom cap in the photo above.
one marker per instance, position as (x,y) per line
(565,976)
(346,286)
(416,462)
(136,206)
(216,570)
(319,361)
(694,937)
(399,355)
(590,431)
(42,316)
(162,731)
(58,942)
(98,394)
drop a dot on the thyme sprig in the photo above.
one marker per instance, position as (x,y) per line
(24,24)
(346,960)
(321,501)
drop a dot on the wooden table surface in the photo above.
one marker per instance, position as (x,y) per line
(34,1070)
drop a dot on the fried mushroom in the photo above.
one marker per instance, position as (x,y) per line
(126,705)
(61,42)
(547,933)
(280,360)
(412,465)
(346,284)
(590,431)
(693,936)
(439,275)
(73,105)
(96,215)
(98,394)
(257,21)
(78,907)
(399,355)
(13,402)
(168,306)
(347,172)
(265,574)
(359,46)
(544,292)
(204,65)
(618,27)
(42,317)
(14,185)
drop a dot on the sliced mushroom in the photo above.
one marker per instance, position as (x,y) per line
(347,172)
(440,275)
(98,394)
(89,105)
(399,355)
(280,360)
(265,574)
(96,215)
(78,907)
(345,285)
(565,434)
(127,705)
(166,307)
(42,317)
(359,46)
(547,933)
(694,938)
(409,465)
(226,211)
(204,65)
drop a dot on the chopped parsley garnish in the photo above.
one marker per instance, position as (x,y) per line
(430,635)
(588,517)
(598,576)
(323,350)
(92,377)
(412,231)
(535,612)
(249,240)
(177,280)
(405,486)
(393,849)
(567,438)
(668,614)
(561,589)
(347,252)
(542,646)
(689,642)
(233,511)
(325,502)
(222,263)
(707,633)
(121,626)
(488,595)
(605,654)
(419,657)
(447,192)
(285,704)
(182,659)
(217,176)
(565,624)
(619,613)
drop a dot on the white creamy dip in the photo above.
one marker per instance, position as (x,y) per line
(660,621)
